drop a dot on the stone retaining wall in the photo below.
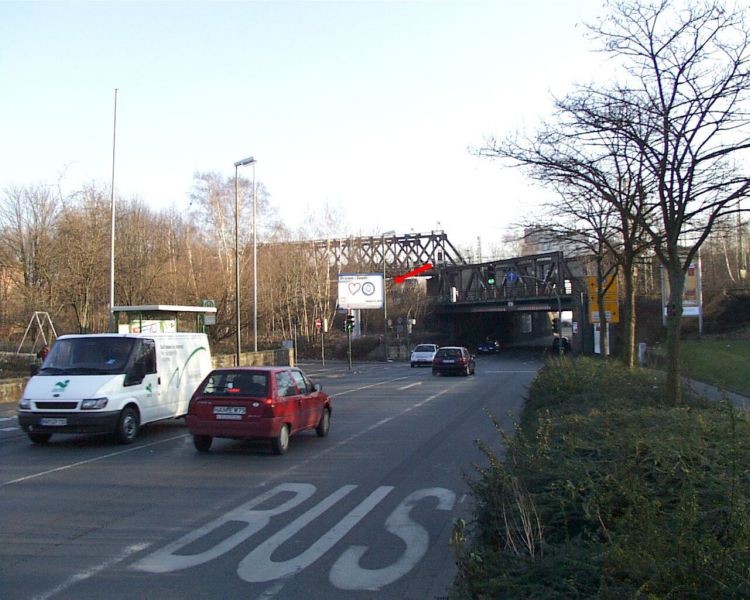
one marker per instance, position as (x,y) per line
(11,389)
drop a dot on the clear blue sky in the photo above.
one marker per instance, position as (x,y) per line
(366,106)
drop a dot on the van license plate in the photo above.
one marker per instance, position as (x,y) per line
(230,410)
(47,422)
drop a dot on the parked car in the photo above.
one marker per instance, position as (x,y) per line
(453,359)
(488,347)
(270,403)
(423,354)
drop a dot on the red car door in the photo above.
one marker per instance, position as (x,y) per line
(311,399)
(289,402)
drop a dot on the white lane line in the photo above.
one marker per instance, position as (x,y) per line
(411,385)
(90,460)
(367,387)
(8,428)
(88,573)
(3,419)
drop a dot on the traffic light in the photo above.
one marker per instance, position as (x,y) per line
(491,275)
(349,326)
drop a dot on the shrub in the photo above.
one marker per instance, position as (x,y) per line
(625,497)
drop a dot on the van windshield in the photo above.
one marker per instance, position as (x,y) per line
(88,356)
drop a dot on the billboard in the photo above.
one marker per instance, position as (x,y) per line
(692,294)
(364,290)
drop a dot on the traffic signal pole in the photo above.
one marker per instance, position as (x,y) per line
(349,330)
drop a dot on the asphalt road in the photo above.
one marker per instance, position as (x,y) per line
(365,513)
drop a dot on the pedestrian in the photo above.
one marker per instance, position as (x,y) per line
(42,354)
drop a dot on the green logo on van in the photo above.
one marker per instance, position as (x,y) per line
(61,385)
(149,388)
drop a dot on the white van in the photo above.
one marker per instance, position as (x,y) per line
(113,383)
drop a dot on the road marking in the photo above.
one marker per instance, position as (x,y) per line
(258,567)
(90,460)
(8,428)
(347,574)
(411,385)
(367,387)
(3,419)
(88,573)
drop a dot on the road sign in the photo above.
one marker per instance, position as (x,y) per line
(611,302)
(318,324)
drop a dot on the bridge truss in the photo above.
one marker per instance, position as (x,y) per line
(536,282)
(394,253)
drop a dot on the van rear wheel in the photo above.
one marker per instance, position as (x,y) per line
(127,425)
(39,438)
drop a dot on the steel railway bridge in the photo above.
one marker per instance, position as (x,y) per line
(493,292)
(535,282)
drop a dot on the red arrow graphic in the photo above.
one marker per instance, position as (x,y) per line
(413,273)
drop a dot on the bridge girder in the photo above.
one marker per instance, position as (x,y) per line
(528,282)
(399,252)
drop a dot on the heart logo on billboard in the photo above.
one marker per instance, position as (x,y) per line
(354,288)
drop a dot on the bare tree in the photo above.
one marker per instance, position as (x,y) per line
(27,220)
(687,71)
(82,257)
(142,257)
(600,181)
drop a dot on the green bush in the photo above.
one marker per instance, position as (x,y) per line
(605,491)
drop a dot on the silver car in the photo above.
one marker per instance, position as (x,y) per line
(423,355)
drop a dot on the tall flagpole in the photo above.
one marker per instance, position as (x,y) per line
(112,324)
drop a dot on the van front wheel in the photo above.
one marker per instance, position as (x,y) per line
(39,438)
(127,425)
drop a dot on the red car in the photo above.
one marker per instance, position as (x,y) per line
(257,402)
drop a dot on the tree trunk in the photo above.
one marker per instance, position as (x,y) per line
(674,326)
(628,316)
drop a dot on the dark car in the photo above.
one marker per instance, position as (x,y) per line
(270,403)
(488,347)
(453,359)
(559,344)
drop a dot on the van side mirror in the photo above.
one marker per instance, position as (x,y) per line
(33,370)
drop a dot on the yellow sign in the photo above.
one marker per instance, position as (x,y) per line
(611,300)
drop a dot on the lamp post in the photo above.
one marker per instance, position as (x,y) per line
(237,165)
(385,299)
(255,270)
(112,324)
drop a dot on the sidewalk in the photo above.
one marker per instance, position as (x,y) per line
(711,392)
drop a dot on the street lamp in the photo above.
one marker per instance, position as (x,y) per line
(385,300)
(237,165)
